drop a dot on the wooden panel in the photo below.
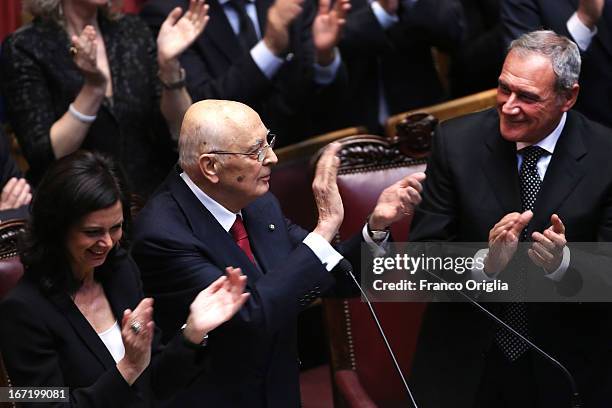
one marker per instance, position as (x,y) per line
(448,110)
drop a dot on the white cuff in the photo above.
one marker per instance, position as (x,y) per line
(479,273)
(323,250)
(325,75)
(377,249)
(265,59)
(385,19)
(580,32)
(560,272)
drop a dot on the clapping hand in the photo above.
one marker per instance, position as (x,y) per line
(547,248)
(326,194)
(178,33)
(16,192)
(503,240)
(327,27)
(84,52)
(137,328)
(397,201)
(216,304)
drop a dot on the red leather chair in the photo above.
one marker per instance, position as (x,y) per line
(362,370)
(11,271)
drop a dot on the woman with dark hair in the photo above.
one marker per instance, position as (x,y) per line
(81,75)
(78,318)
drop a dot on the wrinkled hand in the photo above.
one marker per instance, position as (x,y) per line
(16,193)
(390,6)
(327,28)
(86,58)
(503,240)
(216,304)
(547,248)
(137,346)
(326,194)
(397,201)
(589,12)
(280,16)
(178,33)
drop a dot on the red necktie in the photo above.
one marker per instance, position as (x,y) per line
(241,237)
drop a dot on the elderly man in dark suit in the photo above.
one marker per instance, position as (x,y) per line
(531,170)
(277,56)
(217,212)
(589,24)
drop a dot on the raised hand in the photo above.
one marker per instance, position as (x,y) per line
(327,27)
(16,192)
(326,194)
(137,329)
(503,240)
(216,304)
(280,16)
(547,248)
(589,12)
(178,33)
(390,6)
(397,201)
(84,52)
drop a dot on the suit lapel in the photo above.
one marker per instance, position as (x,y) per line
(500,169)
(223,249)
(562,175)
(83,329)
(262,229)
(220,33)
(604,27)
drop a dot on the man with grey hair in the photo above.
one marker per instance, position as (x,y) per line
(530,170)
(217,212)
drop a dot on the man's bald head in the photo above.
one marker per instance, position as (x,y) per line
(212,125)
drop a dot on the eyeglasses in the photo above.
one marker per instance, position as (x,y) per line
(259,153)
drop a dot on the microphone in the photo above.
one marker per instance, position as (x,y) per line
(575,400)
(345,266)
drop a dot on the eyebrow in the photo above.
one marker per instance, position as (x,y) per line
(97,227)
(527,94)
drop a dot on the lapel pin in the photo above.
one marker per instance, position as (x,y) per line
(271,227)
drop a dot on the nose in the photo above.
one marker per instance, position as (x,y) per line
(271,159)
(106,240)
(510,106)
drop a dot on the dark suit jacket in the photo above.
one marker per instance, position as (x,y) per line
(400,56)
(595,99)
(46,341)
(39,80)
(181,249)
(472,182)
(218,68)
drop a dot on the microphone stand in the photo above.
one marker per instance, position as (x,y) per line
(345,265)
(575,400)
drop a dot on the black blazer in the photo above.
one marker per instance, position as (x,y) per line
(400,57)
(181,249)
(46,341)
(472,182)
(290,104)
(595,99)
(39,80)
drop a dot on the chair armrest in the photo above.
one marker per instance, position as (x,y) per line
(351,390)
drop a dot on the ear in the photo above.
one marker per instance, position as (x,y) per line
(569,98)
(209,167)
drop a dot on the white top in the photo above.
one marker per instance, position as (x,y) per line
(113,342)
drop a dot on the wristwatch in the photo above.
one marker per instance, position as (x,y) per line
(202,343)
(376,235)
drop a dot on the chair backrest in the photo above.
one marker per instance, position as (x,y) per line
(368,165)
(447,110)
(292,178)
(11,271)
(11,268)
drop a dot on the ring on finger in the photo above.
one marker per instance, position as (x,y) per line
(136,326)
(73,51)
